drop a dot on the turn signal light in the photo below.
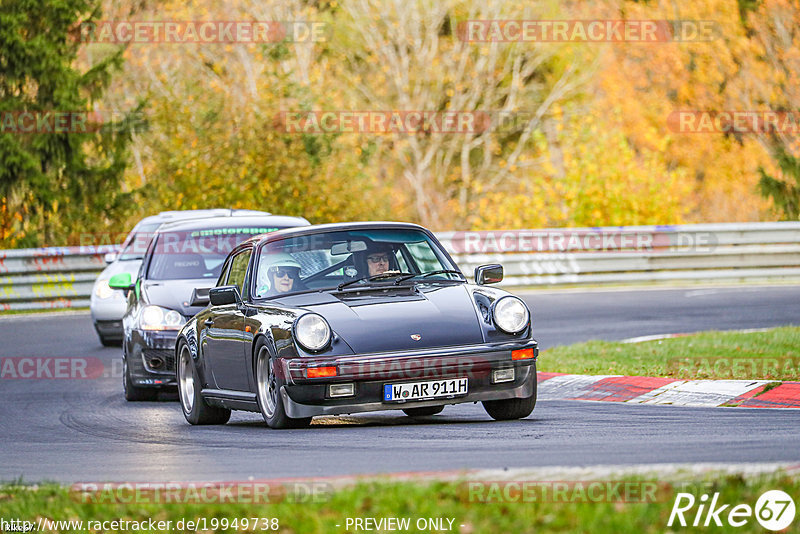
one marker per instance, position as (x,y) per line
(320,372)
(522,354)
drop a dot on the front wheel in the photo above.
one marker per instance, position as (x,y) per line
(134,393)
(195,409)
(503,410)
(109,341)
(269,398)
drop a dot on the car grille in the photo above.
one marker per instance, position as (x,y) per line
(166,356)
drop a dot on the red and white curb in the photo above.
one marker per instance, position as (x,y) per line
(669,391)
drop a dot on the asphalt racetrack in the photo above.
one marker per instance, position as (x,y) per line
(83,430)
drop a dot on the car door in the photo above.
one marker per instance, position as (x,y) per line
(225,332)
(205,332)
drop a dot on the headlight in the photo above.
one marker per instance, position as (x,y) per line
(511,315)
(102,290)
(312,331)
(158,318)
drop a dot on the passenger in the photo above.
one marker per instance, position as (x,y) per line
(282,276)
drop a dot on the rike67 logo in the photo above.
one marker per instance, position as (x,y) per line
(774,511)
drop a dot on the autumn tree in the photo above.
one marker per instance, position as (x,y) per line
(411,56)
(55,184)
(771,81)
(214,140)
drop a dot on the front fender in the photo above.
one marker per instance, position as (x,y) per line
(276,324)
(188,335)
(483,298)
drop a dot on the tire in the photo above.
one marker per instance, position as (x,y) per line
(422,412)
(109,341)
(503,410)
(268,393)
(193,405)
(134,393)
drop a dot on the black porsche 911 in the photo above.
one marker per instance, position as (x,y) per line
(356,317)
(182,261)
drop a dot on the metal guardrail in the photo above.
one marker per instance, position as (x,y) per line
(634,254)
(62,277)
(53,277)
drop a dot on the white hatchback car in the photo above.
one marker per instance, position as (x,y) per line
(108,305)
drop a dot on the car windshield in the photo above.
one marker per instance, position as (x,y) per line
(196,254)
(354,258)
(135,244)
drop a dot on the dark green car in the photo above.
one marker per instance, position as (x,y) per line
(182,262)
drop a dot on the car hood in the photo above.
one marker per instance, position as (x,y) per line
(385,321)
(175,294)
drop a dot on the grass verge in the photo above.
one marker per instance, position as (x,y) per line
(414,500)
(45,310)
(770,355)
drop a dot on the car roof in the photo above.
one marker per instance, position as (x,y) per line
(180,215)
(210,223)
(321,228)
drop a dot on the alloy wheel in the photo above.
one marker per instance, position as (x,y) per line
(267,386)
(186,382)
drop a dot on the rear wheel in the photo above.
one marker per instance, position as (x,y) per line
(195,409)
(422,412)
(134,393)
(269,398)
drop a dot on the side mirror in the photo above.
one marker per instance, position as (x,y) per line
(110,257)
(220,296)
(121,281)
(200,297)
(488,274)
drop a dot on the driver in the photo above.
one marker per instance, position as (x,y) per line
(378,259)
(281,275)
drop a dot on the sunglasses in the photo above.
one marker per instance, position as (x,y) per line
(378,258)
(282,272)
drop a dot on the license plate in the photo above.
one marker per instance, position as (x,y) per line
(432,389)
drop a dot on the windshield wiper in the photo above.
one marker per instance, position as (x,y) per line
(442,271)
(375,278)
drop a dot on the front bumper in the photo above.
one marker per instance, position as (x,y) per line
(110,329)
(307,397)
(152,358)
(111,309)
